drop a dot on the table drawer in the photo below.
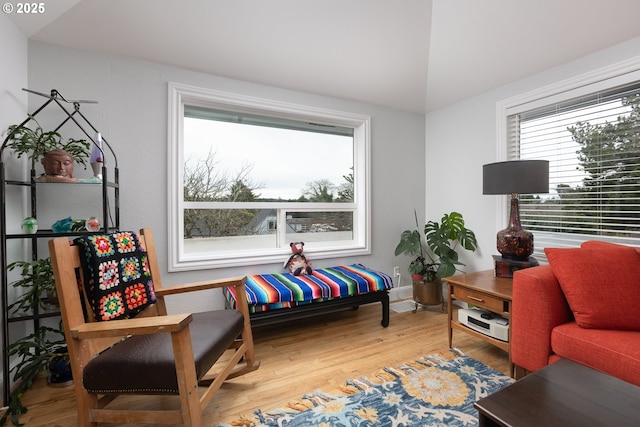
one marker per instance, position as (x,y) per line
(479,299)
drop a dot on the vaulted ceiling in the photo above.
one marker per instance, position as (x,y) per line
(412,55)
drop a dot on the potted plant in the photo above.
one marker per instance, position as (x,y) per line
(38,285)
(42,351)
(39,352)
(440,260)
(35,144)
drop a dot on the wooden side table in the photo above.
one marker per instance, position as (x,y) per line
(483,290)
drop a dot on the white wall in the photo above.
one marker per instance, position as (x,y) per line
(462,137)
(132,115)
(13,73)
(13,109)
(13,77)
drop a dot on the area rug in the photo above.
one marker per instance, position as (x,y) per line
(435,390)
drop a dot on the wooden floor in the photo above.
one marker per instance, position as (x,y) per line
(296,358)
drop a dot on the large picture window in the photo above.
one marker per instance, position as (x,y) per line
(592,142)
(251,175)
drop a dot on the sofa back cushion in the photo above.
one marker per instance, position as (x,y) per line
(599,244)
(601,284)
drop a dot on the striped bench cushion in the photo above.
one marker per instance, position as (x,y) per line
(281,290)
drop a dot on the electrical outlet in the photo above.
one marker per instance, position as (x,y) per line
(396,271)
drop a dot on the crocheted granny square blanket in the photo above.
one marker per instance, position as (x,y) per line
(117,279)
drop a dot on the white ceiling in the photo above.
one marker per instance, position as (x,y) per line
(412,55)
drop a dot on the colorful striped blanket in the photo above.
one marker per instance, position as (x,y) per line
(285,289)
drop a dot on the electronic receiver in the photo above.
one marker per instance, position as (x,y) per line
(485,322)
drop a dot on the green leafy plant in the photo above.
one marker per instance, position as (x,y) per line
(35,143)
(442,240)
(35,353)
(37,282)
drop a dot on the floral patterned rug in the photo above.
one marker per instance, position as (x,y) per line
(436,390)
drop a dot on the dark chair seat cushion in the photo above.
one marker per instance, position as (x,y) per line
(145,363)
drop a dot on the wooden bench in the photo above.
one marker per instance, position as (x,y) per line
(275,298)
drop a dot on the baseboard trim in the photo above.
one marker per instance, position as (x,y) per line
(403,292)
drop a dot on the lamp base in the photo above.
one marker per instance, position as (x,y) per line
(515,243)
(504,267)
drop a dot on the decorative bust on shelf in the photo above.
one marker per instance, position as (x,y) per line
(58,166)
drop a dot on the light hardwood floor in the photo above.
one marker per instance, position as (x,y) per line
(300,357)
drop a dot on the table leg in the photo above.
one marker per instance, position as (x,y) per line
(484,421)
(449,313)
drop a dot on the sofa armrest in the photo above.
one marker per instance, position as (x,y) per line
(538,306)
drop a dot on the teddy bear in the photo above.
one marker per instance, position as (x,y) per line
(297,263)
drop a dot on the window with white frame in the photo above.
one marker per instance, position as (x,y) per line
(250,175)
(591,136)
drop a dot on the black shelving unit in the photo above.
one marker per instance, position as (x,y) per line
(110,215)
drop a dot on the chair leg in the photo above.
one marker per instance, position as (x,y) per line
(187,382)
(247,339)
(85,402)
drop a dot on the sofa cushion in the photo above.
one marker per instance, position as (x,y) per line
(602,285)
(598,244)
(613,352)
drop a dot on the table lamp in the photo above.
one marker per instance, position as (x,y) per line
(515,177)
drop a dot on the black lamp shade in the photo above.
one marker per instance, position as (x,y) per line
(516,177)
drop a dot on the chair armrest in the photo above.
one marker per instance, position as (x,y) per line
(199,286)
(137,326)
(237,282)
(539,306)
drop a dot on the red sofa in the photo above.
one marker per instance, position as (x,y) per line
(583,306)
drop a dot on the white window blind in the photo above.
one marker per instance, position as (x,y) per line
(593,146)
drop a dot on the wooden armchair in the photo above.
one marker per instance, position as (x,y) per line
(153,353)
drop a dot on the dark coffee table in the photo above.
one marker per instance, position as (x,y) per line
(563,394)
